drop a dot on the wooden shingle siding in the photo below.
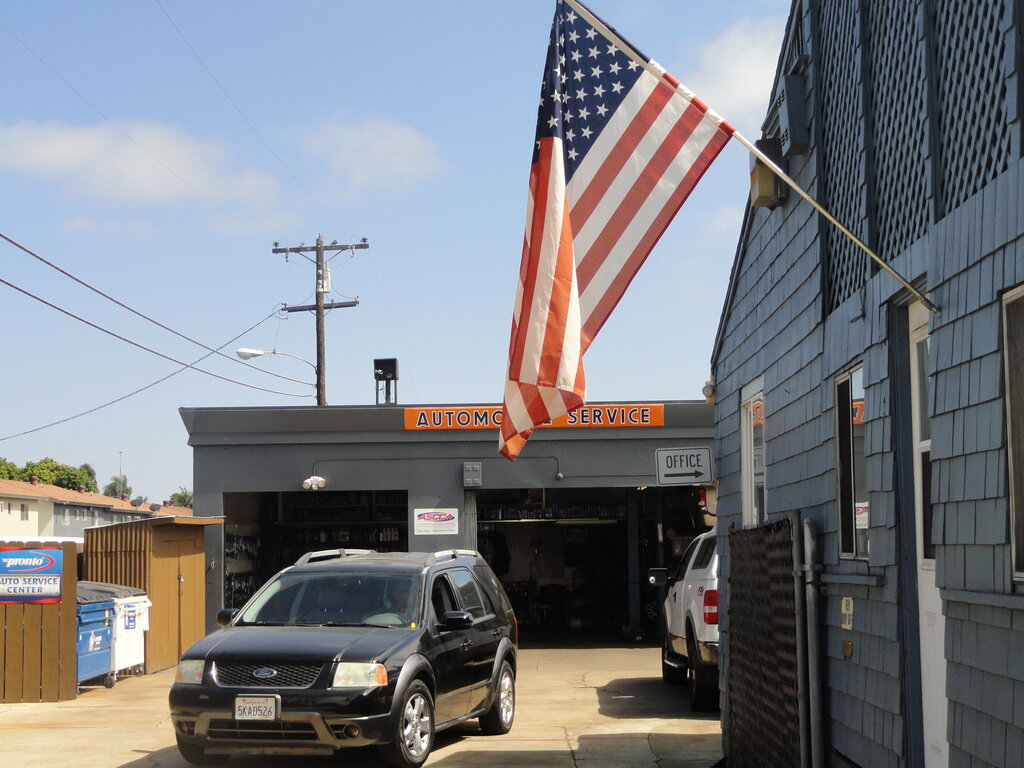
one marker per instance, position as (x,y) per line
(776,326)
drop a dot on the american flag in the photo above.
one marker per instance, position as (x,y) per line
(620,144)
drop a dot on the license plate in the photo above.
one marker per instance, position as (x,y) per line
(256,707)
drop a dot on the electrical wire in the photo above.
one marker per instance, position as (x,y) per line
(137,391)
(145,317)
(142,346)
(238,109)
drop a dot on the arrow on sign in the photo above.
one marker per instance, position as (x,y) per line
(684,474)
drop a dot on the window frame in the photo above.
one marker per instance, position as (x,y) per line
(852,546)
(471,582)
(1013,394)
(751,412)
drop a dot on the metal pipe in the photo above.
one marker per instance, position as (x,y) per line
(795,534)
(811,583)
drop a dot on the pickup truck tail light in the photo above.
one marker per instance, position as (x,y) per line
(711,606)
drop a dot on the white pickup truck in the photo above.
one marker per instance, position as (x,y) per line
(689,621)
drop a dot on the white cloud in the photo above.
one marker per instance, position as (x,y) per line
(737,70)
(142,162)
(374,154)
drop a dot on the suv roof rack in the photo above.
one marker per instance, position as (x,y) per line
(451,554)
(331,554)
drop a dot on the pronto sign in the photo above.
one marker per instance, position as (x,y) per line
(30,575)
(489,416)
(684,466)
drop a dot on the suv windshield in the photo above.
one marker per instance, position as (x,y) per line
(349,598)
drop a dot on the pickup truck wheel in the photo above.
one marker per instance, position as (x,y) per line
(413,729)
(670,675)
(498,719)
(195,755)
(703,698)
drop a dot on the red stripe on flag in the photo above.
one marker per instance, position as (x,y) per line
(539,175)
(621,153)
(663,157)
(611,296)
(558,307)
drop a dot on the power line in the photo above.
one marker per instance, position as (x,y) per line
(237,108)
(142,346)
(137,391)
(145,317)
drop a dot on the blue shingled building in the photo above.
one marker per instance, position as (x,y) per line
(841,397)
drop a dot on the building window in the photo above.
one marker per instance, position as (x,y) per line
(67,516)
(752,427)
(24,511)
(1013,327)
(921,398)
(854,517)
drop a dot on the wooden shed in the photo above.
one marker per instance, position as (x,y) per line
(165,556)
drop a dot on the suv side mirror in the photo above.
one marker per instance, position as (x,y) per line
(657,577)
(224,615)
(456,620)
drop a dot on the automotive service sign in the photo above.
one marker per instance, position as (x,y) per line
(30,575)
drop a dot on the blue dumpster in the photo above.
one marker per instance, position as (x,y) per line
(95,635)
(131,620)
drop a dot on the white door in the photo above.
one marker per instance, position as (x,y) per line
(931,621)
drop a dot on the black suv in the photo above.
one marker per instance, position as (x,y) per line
(348,650)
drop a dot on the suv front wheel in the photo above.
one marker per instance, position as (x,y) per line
(413,729)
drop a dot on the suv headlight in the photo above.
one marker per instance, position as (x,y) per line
(357,675)
(190,671)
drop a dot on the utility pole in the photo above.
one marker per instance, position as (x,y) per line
(321,288)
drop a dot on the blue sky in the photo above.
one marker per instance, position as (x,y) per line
(157,150)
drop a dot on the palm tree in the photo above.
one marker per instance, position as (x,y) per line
(117,487)
(181,498)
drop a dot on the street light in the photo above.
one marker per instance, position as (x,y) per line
(248,353)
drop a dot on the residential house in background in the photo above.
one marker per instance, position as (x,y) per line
(896,430)
(33,509)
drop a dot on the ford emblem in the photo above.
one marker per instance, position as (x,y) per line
(264,673)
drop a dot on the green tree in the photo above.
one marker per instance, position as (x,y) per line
(181,498)
(87,468)
(8,470)
(117,486)
(53,472)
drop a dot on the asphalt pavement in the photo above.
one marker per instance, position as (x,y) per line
(577,708)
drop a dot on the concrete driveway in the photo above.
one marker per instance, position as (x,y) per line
(577,708)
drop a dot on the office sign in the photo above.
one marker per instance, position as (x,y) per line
(30,575)
(684,466)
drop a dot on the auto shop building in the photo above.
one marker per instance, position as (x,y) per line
(569,527)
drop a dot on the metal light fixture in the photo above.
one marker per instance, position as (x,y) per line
(708,390)
(314,483)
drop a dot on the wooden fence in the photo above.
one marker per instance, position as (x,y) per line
(39,642)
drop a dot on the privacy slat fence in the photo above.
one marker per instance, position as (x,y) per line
(39,643)
(764,722)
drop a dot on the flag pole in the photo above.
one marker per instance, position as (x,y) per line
(679,89)
(771,165)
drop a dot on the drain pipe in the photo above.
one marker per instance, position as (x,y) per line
(812,582)
(801,635)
